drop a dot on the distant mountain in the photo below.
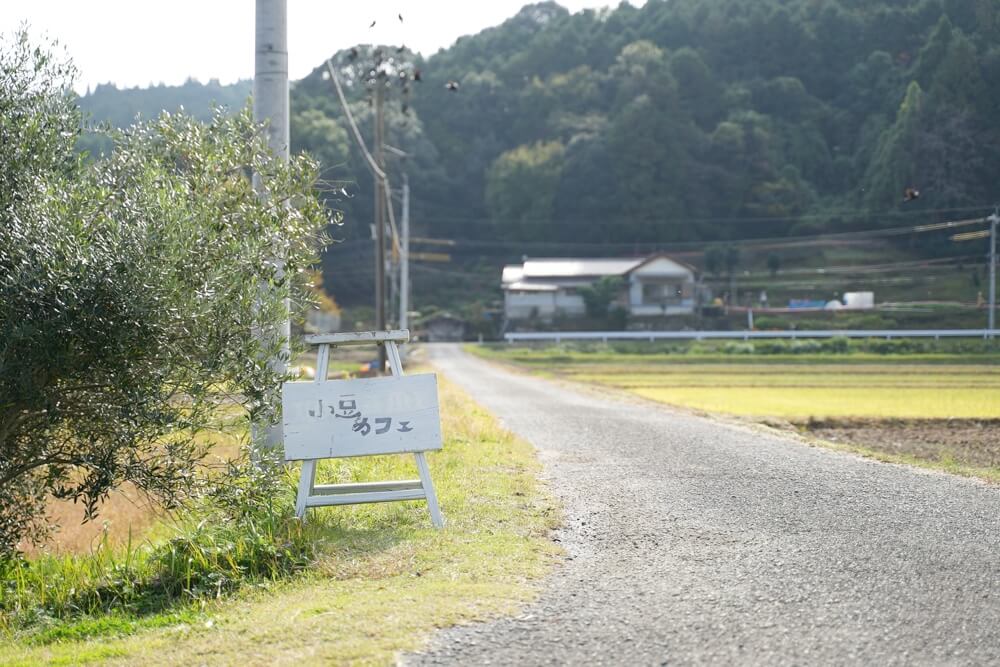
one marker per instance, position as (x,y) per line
(120,106)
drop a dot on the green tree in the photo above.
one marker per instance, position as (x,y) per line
(892,167)
(322,137)
(597,298)
(700,92)
(521,187)
(129,291)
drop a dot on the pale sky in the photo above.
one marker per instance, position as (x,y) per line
(141,42)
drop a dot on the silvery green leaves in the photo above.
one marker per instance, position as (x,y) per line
(129,291)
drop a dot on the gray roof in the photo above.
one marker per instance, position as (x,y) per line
(575,267)
(551,273)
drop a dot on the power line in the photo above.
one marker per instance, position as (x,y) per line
(923,264)
(770,241)
(844,213)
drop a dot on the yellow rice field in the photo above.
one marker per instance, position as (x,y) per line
(912,391)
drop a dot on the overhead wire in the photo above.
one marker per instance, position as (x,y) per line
(766,242)
(372,164)
(604,220)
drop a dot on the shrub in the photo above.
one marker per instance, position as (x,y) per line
(129,291)
(597,298)
(738,348)
(894,346)
(837,345)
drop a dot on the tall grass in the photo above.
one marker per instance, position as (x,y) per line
(242,531)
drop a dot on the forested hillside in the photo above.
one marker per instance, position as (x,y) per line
(119,107)
(681,122)
(687,120)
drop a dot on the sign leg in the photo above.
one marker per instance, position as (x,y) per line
(395,363)
(425,480)
(306,480)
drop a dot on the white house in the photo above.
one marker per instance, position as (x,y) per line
(654,286)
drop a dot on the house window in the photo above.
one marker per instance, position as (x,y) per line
(651,292)
(661,293)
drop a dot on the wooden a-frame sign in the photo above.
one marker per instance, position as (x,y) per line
(326,419)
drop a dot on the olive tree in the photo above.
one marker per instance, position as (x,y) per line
(130,289)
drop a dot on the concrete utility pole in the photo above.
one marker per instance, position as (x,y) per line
(270,106)
(404,257)
(991,318)
(380,204)
(270,81)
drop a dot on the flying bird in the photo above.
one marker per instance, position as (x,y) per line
(911,193)
(372,25)
(452,86)
(400,18)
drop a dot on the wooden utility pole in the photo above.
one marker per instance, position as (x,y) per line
(378,76)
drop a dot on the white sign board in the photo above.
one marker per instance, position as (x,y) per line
(361,417)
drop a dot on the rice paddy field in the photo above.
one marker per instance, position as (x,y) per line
(817,391)
(937,409)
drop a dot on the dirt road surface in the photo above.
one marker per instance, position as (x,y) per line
(691,541)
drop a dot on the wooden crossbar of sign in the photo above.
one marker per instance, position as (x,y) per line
(342,418)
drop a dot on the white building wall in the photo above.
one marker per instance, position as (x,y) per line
(634,293)
(661,271)
(569,304)
(522,305)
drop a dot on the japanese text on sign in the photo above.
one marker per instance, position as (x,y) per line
(360,417)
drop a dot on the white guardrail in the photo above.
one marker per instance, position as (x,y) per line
(605,336)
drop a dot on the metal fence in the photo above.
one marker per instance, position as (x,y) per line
(605,336)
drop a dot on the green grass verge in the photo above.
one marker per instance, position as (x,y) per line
(380,581)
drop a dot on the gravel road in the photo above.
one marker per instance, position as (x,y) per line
(694,541)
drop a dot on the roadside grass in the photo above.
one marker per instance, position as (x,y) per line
(377,580)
